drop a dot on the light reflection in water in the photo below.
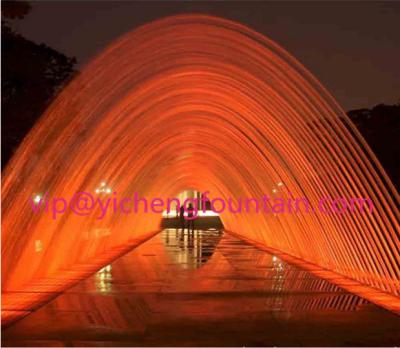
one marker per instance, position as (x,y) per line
(223,280)
(191,249)
(103,280)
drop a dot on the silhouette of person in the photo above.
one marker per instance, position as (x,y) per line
(182,216)
(190,217)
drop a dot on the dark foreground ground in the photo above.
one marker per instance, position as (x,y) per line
(204,288)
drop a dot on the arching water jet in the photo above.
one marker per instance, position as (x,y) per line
(198,102)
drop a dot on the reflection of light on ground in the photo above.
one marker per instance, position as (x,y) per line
(154,302)
(278,268)
(103,280)
(191,249)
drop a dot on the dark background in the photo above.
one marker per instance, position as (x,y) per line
(352,47)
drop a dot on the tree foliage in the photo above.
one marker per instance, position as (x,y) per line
(32,74)
(380,126)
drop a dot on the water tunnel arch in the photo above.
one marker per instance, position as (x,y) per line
(201,102)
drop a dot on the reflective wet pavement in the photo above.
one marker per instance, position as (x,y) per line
(204,288)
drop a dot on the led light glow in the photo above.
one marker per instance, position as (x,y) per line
(197,102)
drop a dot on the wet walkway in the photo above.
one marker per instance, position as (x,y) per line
(204,288)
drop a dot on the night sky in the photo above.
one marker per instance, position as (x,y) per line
(352,47)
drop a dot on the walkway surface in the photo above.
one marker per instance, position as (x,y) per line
(204,288)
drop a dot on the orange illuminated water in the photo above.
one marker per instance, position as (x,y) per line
(197,102)
(204,288)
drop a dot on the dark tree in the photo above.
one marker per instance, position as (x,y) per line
(380,126)
(32,74)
